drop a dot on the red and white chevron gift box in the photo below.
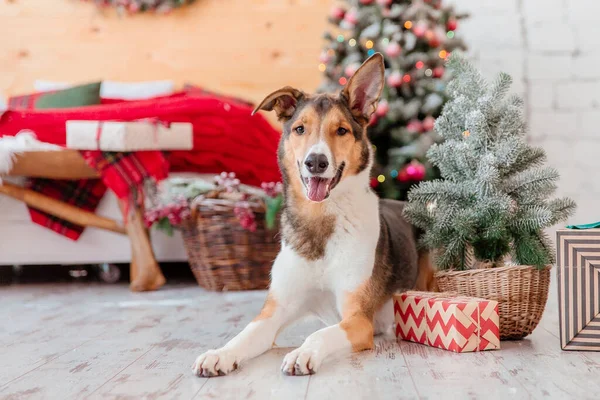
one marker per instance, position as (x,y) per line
(455,323)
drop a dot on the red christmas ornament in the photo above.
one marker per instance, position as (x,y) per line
(382,108)
(403,175)
(428,123)
(366,2)
(395,79)
(438,72)
(351,16)
(374,183)
(373,120)
(452,24)
(414,126)
(393,49)
(434,40)
(415,171)
(351,69)
(337,13)
(133,8)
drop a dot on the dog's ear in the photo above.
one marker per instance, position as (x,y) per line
(283,101)
(364,88)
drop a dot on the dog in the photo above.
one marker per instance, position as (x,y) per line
(344,252)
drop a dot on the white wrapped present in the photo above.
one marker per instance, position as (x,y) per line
(129,136)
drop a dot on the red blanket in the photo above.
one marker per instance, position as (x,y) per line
(226,138)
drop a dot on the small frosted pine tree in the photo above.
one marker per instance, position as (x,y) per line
(493,199)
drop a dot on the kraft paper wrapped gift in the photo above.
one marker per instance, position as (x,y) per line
(455,323)
(578,277)
(129,136)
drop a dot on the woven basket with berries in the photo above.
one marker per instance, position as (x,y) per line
(230,230)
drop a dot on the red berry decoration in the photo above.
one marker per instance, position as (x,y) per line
(452,24)
(374,183)
(366,2)
(428,123)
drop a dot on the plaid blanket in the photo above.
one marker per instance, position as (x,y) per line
(85,194)
(124,173)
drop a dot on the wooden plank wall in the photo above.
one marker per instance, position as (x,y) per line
(239,47)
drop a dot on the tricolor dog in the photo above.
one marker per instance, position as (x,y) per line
(344,252)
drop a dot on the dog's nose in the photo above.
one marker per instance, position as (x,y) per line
(316,163)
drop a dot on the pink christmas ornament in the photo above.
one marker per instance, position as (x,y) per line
(384,2)
(337,13)
(393,49)
(351,69)
(415,171)
(366,2)
(428,123)
(382,108)
(351,16)
(373,120)
(419,30)
(414,126)
(395,79)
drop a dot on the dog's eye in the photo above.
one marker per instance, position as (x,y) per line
(342,131)
(299,130)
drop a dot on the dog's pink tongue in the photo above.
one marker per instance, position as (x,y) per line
(317,189)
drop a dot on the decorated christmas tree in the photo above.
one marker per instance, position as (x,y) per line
(494,198)
(415,37)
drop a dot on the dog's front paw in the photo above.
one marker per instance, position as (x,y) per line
(215,363)
(302,361)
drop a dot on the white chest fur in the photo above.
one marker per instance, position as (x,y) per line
(349,253)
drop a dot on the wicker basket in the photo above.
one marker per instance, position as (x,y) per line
(222,254)
(521,292)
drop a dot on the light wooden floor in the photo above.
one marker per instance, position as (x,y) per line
(72,341)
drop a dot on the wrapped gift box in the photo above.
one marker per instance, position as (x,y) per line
(459,324)
(129,136)
(578,277)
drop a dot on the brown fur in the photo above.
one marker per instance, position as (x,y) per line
(426,279)
(268,308)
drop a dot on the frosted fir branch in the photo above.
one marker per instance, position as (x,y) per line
(528,158)
(561,209)
(530,219)
(532,180)
(438,190)
(500,87)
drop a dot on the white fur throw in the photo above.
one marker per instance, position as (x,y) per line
(22,142)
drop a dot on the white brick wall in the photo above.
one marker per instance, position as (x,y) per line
(550,47)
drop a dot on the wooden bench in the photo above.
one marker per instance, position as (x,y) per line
(145,273)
